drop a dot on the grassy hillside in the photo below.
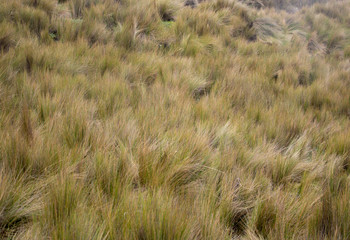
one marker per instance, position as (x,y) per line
(130,119)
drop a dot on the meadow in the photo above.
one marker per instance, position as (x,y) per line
(160,119)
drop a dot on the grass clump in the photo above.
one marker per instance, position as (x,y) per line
(7,36)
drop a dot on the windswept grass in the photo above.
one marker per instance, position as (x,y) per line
(162,119)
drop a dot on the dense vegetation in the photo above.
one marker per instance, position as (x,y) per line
(150,119)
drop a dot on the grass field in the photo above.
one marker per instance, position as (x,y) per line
(149,119)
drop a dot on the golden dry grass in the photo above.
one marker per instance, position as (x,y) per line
(155,120)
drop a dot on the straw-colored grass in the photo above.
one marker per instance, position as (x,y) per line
(161,119)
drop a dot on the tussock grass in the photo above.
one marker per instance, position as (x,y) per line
(7,36)
(162,119)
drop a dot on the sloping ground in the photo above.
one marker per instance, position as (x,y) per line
(154,120)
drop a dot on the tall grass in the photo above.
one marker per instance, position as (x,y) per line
(163,119)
